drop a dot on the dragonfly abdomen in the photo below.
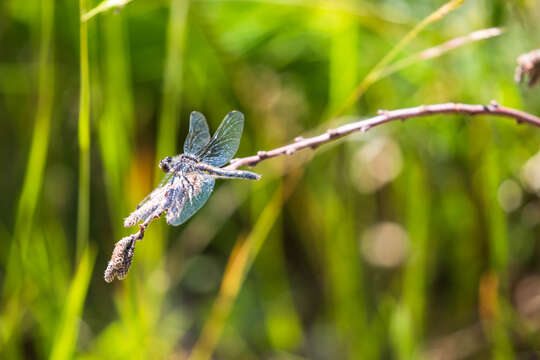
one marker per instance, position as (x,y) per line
(219,172)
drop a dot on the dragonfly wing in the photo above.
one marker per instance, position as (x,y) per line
(196,190)
(152,204)
(224,144)
(198,135)
(177,196)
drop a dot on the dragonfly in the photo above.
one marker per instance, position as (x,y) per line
(190,177)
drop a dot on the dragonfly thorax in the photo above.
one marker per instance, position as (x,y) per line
(182,163)
(190,176)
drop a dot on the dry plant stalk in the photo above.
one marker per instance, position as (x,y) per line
(386,116)
(121,259)
(440,50)
(124,249)
(123,253)
(528,66)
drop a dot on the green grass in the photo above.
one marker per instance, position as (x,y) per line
(276,268)
(20,254)
(64,345)
(83,201)
(409,315)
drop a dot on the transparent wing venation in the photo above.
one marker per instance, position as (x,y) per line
(199,186)
(224,144)
(183,191)
(198,135)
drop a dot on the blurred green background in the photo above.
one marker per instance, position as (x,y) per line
(414,240)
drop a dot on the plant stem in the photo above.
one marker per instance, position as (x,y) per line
(386,116)
(83,212)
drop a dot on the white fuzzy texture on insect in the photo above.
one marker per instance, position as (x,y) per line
(188,183)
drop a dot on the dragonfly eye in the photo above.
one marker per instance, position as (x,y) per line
(165,164)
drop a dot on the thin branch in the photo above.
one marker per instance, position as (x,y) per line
(383,117)
(124,249)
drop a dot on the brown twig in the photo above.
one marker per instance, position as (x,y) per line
(383,117)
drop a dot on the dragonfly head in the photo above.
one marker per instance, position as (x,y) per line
(165,164)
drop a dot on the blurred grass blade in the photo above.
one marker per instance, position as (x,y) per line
(344,58)
(33,179)
(168,120)
(409,315)
(494,284)
(65,341)
(374,74)
(12,310)
(240,261)
(280,316)
(370,13)
(437,51)
(104,6)
(343,274)
(172,79)
(83,209)
(115,124)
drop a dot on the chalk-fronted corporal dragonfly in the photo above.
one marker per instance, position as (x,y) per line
(191,176)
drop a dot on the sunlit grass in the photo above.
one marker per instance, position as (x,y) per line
(296,280)
(20,251)
(65,341)
(240,262)
(409,315)
(116,123)
(494,317)
(172,80)
(373,75)
(350,315)
(83,206)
